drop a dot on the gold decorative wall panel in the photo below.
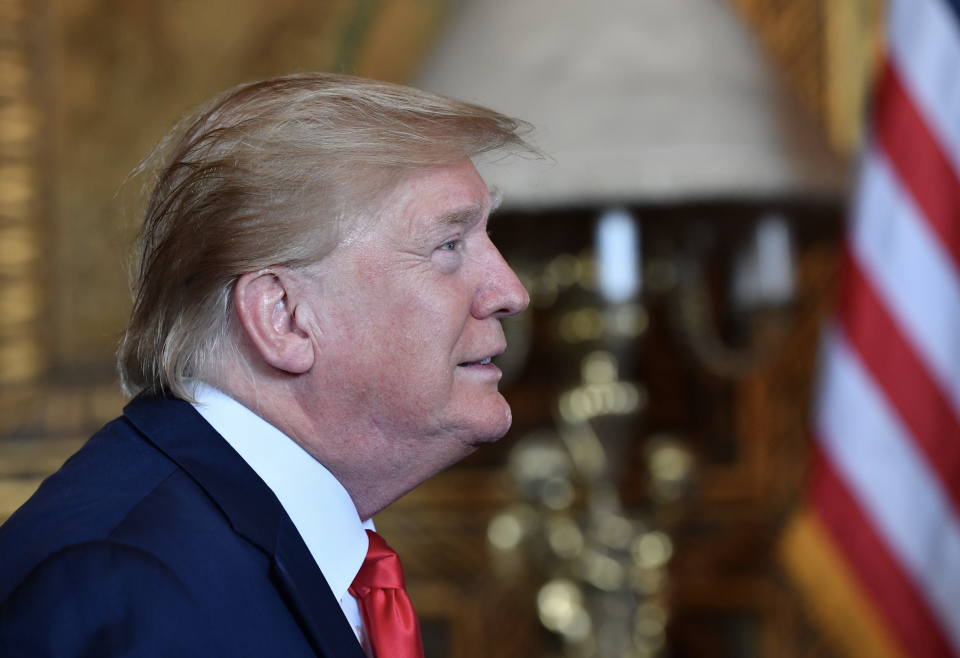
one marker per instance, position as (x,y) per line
(86,88)
(24,190)
(828,51)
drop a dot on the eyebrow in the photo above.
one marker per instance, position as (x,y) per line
(462,215)
(469,213)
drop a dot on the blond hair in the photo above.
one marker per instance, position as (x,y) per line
(272,173)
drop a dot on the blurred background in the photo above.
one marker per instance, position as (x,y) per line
(681,245)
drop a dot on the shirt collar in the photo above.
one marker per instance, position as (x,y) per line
(316,502)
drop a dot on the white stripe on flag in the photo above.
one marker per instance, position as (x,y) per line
(924,47)
(874,454)
(914,276)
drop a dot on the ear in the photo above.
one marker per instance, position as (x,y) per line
(268,316)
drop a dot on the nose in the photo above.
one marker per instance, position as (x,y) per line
(500,293)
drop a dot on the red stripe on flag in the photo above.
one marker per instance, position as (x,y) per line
(888,355)
(917,158)
(900,604)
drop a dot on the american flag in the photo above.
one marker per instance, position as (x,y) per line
(878,551)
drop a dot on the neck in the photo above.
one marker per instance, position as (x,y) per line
(375,467)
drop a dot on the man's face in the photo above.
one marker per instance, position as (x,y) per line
(408,315)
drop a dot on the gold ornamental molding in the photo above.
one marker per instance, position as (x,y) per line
(22,213)
(828,50)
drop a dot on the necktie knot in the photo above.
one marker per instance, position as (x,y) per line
(391,623)
(381,569)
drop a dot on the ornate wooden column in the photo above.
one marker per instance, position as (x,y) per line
(24,206)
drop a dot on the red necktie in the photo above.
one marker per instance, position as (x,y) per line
(387,612)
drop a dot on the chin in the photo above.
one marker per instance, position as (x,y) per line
(494,423)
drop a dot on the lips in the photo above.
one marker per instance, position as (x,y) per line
(483,362)
(485,355)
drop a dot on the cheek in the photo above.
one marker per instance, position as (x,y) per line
(408,353)
(408,332)
(429,322)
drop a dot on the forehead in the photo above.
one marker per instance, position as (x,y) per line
(439,197)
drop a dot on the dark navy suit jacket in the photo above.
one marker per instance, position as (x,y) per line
(157,539)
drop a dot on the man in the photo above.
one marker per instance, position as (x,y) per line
(316,304)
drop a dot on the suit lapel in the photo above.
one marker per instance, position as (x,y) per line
(310,593)
(180,432)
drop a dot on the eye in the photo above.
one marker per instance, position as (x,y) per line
(449,255)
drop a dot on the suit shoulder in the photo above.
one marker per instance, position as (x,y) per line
(84,501)
(102,598)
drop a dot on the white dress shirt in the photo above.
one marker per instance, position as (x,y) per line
(316,502)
